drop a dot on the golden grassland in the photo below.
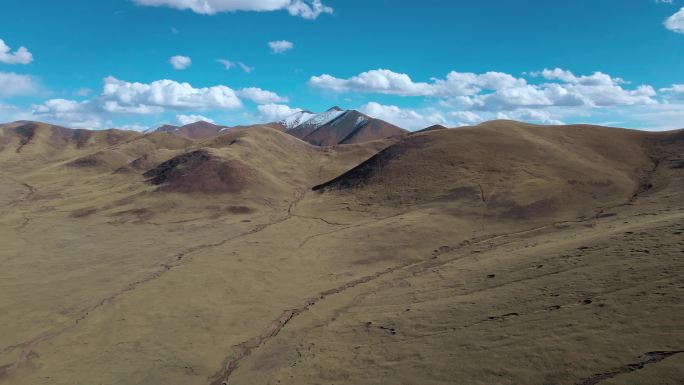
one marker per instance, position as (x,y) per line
(499,254)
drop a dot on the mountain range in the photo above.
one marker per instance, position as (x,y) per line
(332,127)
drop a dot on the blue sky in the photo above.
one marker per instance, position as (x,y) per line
(105,63)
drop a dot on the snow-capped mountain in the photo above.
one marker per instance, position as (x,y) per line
(337,126)
(296,119)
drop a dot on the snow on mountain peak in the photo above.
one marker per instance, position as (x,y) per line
(310,119)
(296,119)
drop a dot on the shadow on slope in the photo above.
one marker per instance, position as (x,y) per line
(505,169)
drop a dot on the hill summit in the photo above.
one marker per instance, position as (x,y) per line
(338,126)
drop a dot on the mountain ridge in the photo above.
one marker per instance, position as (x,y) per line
(337,126)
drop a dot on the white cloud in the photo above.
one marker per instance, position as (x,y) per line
(675,89)
(275,112)
(227,64)
(10,113)
(462,98)
(665,116)
(674,92)
(675,23)
(69,113)
(406,118)
(12,84)
(530,116)
(125,97)
(308,9)
(180,62)
(557,95)
(259,96)
(596,90)
(280,46)
(385,81)
(245,67)
(497,91)
(119,98)
(377,81)
(596,79)
(464,118)
(189,119)
(20,56)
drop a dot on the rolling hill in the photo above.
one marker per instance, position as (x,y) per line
(507,169)
(525,254)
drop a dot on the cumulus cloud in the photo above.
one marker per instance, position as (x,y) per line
(595,79)
(465,118)
(180,62)
(227,64)
(126,97)
(307,9)
(674,92)
(275,112)
(10,113)
(570,90)
(189,119)
(385,81)
(259,96)
(675,88)
(464,98)
(376,81)
(675,23)
(20,56)
(406,118)
(280,46)
(12,84)
(120,98)
(531,116)
(497,91)
(70,113)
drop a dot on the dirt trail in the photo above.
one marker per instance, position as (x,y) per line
(650,358)
(30,192)
(177,260)
(245,349)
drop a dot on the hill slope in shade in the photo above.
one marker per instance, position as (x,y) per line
(525,254)
(337,126)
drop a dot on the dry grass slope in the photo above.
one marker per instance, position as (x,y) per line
(499,254)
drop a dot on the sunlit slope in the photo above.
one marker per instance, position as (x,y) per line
(505,170)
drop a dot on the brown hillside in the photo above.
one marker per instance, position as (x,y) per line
(199,171)
(259,159)
(197,130)
(508,169)
(500,254)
